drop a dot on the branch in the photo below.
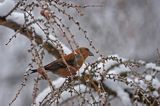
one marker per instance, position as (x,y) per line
(115,82)
(29,34)
(6,6)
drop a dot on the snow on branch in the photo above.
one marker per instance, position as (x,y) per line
(113,77)
(6,6)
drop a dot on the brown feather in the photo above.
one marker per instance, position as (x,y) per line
(74,62)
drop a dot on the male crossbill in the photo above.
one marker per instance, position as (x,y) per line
(71,65)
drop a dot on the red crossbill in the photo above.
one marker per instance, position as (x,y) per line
(71,65)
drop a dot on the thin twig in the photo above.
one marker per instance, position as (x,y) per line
(15,7)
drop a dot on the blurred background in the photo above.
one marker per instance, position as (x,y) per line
(129,28)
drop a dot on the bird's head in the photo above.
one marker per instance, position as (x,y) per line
(85,52)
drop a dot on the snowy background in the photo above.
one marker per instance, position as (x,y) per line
(129,28)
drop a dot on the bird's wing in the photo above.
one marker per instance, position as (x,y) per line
(55,65)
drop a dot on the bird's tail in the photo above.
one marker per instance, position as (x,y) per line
(33,71)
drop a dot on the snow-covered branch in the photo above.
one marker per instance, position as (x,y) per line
(119,79)
(6,6)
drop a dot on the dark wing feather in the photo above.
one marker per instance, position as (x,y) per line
(55,65)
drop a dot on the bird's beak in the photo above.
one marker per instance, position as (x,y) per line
(90,53)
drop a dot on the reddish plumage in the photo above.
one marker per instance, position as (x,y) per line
(73,60)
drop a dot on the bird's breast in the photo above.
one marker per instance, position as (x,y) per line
(66,72)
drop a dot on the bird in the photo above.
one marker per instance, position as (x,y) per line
(69,64)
